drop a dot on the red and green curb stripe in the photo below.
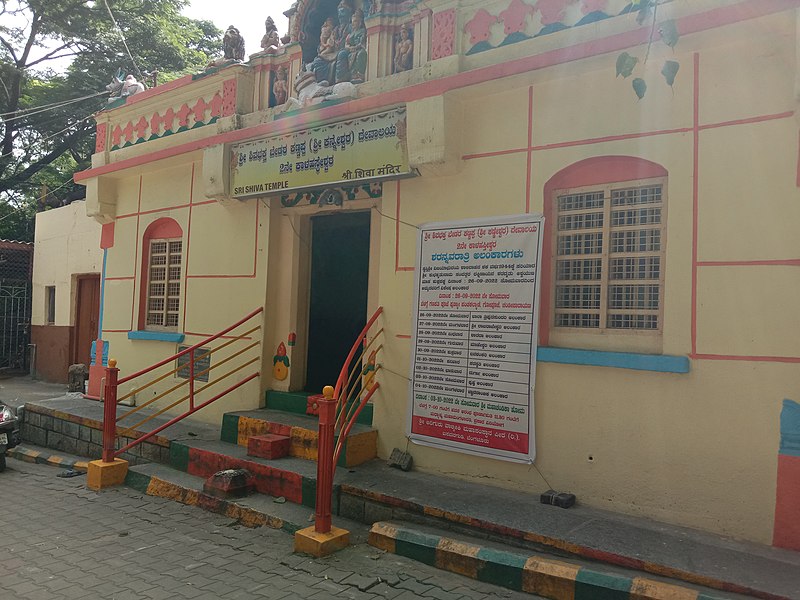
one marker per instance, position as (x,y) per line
(45,458)
(249,517)
(522,572)
(269,480)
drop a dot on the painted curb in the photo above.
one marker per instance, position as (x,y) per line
(523,572)
(247,516)
(579,551)
(45,458)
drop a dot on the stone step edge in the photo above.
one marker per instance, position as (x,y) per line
(349,492)
(295,487)
(152,485)
(360,446)
(37,456)
(533,574)
(295,402)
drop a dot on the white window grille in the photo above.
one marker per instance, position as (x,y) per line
(609,258)
(164,284)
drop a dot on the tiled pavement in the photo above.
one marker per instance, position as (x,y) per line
(59,540)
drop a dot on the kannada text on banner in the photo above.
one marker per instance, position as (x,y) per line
(474,337)
(348,151)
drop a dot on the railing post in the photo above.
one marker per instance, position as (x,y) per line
(327,418)
(110,411)
(191,379)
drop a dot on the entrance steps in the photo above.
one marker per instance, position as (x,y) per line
(302,431)
(371,492)
(399,506)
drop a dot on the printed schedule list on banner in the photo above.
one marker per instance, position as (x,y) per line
(473,362)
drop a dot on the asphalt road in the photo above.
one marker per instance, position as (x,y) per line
(60,540)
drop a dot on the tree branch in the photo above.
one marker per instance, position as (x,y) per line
(10,49)
(49,55)
(36,166)
(35,24)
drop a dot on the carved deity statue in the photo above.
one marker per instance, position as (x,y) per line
(351,64)
(233,44)
(333,36)
(281,86)
(404,51)
(121,88)
(271,40)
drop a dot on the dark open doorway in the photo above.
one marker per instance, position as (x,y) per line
(338,303)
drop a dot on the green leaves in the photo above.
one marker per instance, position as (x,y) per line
(640,87)
(645,9)
(47,147)
(669,71)
(669,33)
(625,64)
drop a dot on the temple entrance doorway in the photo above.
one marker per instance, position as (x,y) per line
(338,293)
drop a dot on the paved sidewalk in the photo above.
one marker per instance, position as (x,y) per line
(62,541)
(17,390)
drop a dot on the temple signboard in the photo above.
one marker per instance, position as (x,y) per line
(347,152)
(473,355)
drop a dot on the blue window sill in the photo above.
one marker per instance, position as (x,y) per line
(157,336)
(658,363)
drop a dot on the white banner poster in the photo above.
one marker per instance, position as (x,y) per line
(473,355)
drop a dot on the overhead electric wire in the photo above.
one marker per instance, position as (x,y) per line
(27,112)
(122,36)
(50,137)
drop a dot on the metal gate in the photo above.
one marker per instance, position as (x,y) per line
(15,324)
(15,304)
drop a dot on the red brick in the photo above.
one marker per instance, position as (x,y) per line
(268,446)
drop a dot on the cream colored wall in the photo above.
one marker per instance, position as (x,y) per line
(67,244)
(224,274)
(699,449)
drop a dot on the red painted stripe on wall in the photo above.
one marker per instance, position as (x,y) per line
(786,533)
(695,194)
(397,267)
(789,262)
(748,9)
(530,155)
(776,359)
(798,160)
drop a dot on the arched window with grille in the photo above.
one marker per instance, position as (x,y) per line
(605,254)
(162,265)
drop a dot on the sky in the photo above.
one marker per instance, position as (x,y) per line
(246,15)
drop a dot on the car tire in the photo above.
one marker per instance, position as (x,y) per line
(2,462)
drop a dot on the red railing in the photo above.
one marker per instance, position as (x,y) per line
(338,412)
(112,383)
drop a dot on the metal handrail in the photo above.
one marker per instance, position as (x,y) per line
(110,418)
(190,348)
(334,415)
(178,368)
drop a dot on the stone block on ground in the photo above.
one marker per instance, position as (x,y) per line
(230,483)
(269,446)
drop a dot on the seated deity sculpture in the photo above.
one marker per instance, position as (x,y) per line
(351,63)
(331,41)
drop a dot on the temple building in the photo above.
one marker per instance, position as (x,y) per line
(578,218)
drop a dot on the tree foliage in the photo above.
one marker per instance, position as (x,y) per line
(54,51)
(647,10)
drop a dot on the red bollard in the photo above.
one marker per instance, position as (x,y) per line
(327,419)
(110,411)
